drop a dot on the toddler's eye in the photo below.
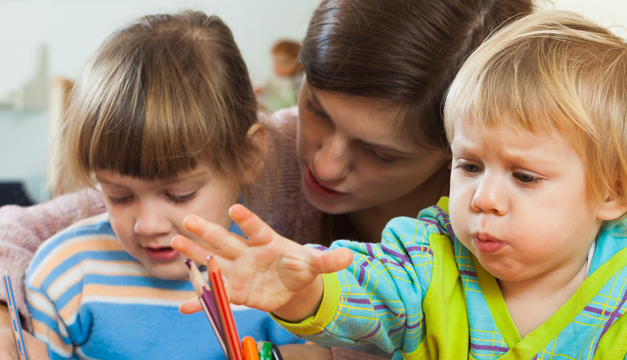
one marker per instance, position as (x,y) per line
(467,167)
(526,178)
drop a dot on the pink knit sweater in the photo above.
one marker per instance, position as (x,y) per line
(22,230)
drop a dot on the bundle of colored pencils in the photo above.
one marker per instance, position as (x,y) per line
(215,302)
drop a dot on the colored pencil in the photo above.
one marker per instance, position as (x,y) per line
(224,310)
(206,300)
(15,319)
(265,350)
(250,348)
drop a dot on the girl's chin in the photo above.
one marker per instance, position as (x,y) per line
(173,271)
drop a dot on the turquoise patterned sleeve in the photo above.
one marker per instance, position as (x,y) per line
(378,299)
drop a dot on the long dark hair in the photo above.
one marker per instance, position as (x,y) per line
(406,52)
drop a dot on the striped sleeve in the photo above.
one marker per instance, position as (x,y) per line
(54,283)
(47,324)
(378,299)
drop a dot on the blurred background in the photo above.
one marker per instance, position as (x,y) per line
(45,43)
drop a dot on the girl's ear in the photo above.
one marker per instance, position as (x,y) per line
(258,136)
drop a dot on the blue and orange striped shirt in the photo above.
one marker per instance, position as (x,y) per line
(90,299)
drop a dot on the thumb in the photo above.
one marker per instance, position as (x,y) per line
(330,261)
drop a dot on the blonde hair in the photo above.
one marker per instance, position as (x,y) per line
(161,96)
(553,70)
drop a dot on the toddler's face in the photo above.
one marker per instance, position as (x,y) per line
(518,201)
(146,215)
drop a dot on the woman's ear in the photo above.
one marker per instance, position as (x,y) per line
(258,136)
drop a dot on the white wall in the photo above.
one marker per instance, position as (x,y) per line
(73,29)
(609,13)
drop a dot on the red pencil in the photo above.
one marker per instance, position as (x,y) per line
(229,330)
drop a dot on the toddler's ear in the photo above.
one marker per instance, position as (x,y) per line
(612,208)
(258,136)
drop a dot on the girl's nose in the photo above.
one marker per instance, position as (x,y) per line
(489,196)
(332,161)
(149,222)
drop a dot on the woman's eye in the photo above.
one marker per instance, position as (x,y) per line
(181,199)
(526,178)
(378,157)
(315,111)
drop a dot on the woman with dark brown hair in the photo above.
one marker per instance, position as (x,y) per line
(371,142)
(366,142)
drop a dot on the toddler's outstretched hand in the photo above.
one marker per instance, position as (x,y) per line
(269,272)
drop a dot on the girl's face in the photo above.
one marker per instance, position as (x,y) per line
(351,154)
(146,215)
(518,201)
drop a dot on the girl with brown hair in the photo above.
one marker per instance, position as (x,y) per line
(163,121)
(366,142)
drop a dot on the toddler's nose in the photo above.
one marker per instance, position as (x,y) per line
(488,197)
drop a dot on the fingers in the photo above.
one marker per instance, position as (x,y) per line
(325,262)
(35,348)
(191,306)
(228,244)
(258,232)
(191,249)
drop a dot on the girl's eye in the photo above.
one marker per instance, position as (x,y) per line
(120,200)
(526,178)
(182,199)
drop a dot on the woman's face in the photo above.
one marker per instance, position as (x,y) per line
(351,154)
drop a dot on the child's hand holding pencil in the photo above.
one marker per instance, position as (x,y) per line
(16,344)
(269,272)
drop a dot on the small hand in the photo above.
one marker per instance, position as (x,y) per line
(269,272)
(35,349)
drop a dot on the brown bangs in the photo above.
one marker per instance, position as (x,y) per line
(159,98)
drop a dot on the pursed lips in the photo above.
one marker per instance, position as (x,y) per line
(487,243)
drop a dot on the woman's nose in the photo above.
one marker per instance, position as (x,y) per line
(150,222)
(489,196)
(332,161)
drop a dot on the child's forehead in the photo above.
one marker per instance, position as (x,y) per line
(470,133)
